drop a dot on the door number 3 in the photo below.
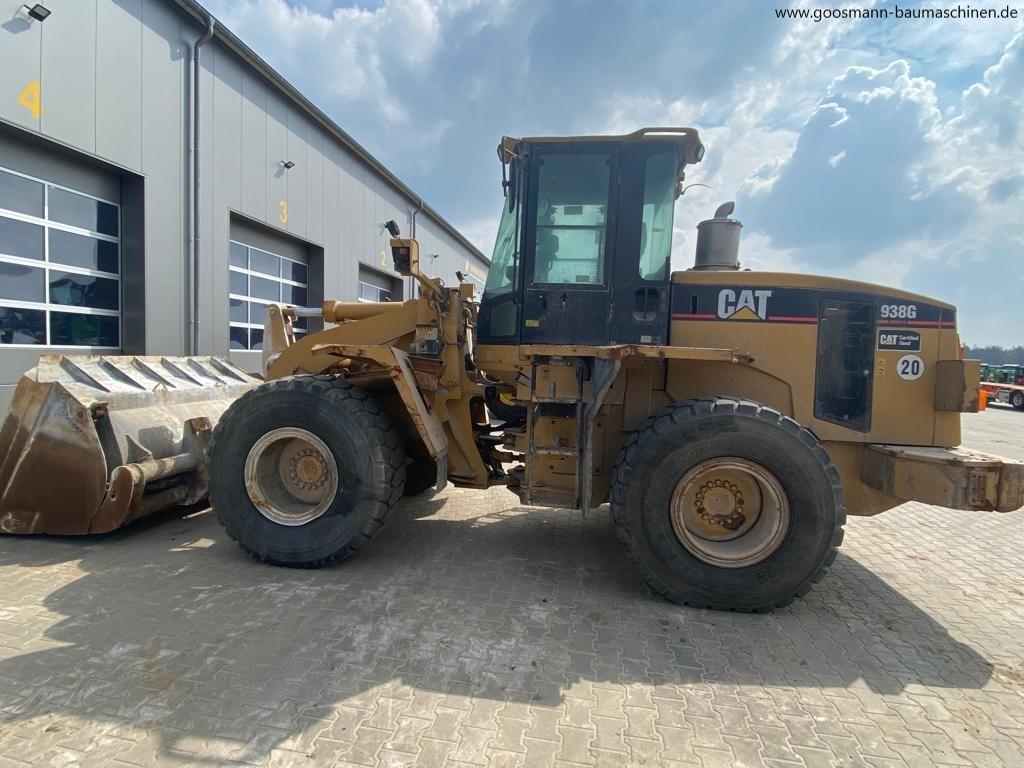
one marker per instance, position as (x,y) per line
(283,218)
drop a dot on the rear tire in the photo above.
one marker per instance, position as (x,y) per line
(752,541)
(1017,400)
(324,464)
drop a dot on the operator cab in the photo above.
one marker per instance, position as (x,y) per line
(585,238)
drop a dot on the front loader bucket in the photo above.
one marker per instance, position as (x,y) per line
(91,443)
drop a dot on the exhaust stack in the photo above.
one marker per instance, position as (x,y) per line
(718,241)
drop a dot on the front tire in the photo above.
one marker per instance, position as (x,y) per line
(420,476)
(507,410)
(1017,400)
(726,503)
(304,470)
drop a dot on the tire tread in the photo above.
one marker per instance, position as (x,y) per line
(369,413)
(681,412)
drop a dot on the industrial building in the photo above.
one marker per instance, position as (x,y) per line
(160,184)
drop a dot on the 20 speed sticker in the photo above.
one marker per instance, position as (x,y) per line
(910,367)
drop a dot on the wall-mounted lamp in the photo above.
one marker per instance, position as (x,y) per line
(37,12)
(287,164)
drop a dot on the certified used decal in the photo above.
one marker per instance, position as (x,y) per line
(890,338)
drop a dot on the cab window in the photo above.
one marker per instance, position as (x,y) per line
(658,205)
(502,276)
(571,218)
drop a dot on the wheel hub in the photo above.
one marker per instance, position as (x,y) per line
(730,512)
(291,476)
(720,503)
(308,469)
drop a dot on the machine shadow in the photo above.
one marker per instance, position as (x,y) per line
(172,630)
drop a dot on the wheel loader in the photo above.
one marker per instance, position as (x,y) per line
(730,418)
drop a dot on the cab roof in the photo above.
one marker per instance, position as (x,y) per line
(691,148)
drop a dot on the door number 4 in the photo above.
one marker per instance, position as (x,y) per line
(31,100)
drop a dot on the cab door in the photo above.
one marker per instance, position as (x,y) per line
(569,243)
(643,244)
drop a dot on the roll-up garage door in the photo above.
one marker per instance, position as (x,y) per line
(60,265)
(265,267)
(378,286)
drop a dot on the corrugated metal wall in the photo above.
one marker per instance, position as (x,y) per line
(112,80)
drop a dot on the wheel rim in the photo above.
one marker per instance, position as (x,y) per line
(291,476)
(730,512)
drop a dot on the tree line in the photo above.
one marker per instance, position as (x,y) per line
(994,355)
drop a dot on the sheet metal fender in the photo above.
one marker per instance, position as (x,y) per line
(957,478)
(399,368)
(427,424)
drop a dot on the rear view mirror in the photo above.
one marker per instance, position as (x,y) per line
(512,189)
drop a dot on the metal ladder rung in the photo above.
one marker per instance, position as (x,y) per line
(542,495)
(565,500)
(553,450)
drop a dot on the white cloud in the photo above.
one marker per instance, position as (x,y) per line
(863,175)
(356,53)
(344,45)
(992,108)
(481,233)
(837,158)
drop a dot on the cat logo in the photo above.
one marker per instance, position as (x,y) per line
(745,304)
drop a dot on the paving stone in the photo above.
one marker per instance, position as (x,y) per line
(509,737)
(407,735)
(540,752)
(434,752)
(473,743)
(477,632)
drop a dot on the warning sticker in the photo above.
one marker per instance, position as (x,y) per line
(905,340)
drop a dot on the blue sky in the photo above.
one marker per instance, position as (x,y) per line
(890,151)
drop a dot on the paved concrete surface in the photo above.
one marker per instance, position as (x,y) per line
(475,632)
(999,429)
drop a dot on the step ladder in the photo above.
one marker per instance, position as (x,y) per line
(541,404)
(602,373)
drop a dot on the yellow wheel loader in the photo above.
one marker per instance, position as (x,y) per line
(731,418)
